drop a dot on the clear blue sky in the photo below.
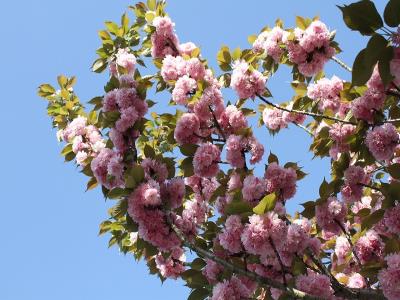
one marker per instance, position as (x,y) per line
(49,247)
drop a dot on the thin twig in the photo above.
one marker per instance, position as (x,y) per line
(280,260)
(341,63)
(217,124)
(311,114)
(304,128)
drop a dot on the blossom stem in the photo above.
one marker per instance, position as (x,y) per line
(217,124)
(280,261)
(304,128)
(341,63)
(259,279)
(350,242)
(311,114)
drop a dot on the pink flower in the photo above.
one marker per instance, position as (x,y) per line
(172,266)
(232,289)
(381,141)
(260,229)
(327,93)
(342,249)
(273,119)
(369,247)
(212,270)
(356,281)
(253,189)
(281,180)
(173,191)
(154,170)
(330,214)
(364,107)
(247,83)
(187,129)
(389,278)
(229,238)
(206,160)
(187,48)
(173,67)
(107,167)
(235,182)
(391,219)
(233,119)
(110,101)
(315,284)
(164,40)
(75,128)
(184,87)
(126,60)
(270,42)
(211,98)
(236,146)
(153,227)
(195,69)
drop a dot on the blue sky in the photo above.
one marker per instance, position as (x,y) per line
(49,246)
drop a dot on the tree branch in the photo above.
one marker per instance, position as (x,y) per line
(341,63)
(311,114)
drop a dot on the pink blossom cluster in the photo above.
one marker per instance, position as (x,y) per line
(315,284)
(108,168)
(187,130)
(339,134)
(210,104)
(331,215)
(369,247)
(154,170)
(310,49)
(144,207)
(327,93)
(229,238)
(237,146)
(86,139)
(246,81)
(366,106)
(259,232)
(206,160)
(254,188)
(233,289)
(389,278)
(276,119)
(173,265)
(126,60)
(354,178)
(342,249)
(281,180)
(271,42)
(176,67)
(382,140)
(212,270)
(128,103)
(391,219)
(232,119)
(164,40)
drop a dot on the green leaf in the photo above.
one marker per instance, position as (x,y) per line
(236,53)
(224,59)
(137,173)
(151,4)
(251,39)
(362,69)
(125,22)
(237,206)
(67,149)
(384,65)
(45,90)
(362,16)
(92,183)
(392,13)
(150,15)
(149,151)
(62,81)
(394,171)
(187,166)
(188,149)
(325,190)
(272,158)
(112,27)
(372,219)
(99,65)
(301,22)
(266,204)
(199,294)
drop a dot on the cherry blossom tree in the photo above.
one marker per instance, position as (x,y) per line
(185,182)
